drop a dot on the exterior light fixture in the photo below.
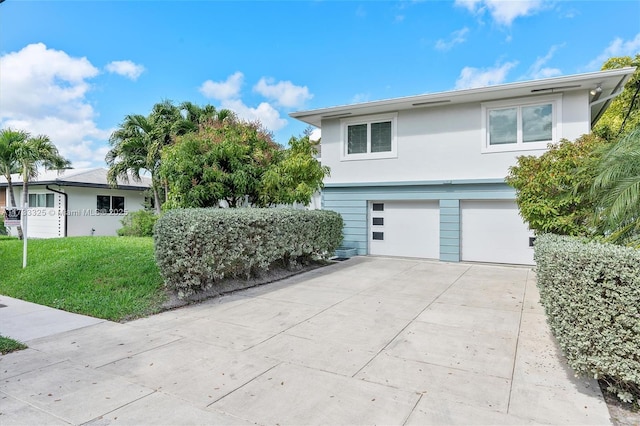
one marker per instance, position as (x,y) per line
(595,91)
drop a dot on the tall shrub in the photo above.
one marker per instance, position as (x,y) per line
(591,294)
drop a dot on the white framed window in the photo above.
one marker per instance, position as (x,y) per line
(369,137)
(41,200)
(522,124)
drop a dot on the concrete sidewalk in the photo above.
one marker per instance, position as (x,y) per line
(366,341)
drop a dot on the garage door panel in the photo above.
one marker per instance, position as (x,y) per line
(411,228)
(493,231)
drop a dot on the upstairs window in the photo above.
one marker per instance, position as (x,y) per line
(369,137)
(520,126)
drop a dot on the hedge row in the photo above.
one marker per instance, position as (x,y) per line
(591,294)
(194,248)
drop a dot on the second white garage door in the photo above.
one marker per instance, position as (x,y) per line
(493,231)
(404,228)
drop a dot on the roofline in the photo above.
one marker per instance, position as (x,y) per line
(546,85)
(76,184)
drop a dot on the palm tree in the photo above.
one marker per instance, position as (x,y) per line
(617,188)
(137,146)
(19,152)
(37,152)
(9,140)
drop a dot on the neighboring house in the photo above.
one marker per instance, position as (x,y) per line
(75,202)
(423,176)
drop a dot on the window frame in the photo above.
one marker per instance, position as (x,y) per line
(368,120)
(111,209)
(42,196)
(556,127)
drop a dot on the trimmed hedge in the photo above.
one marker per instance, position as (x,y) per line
(591,294)
(194,248)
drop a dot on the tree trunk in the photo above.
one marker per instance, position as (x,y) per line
(156,199)
(12,196)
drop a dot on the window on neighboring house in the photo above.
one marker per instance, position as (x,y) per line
(110,204)
(513,126)
(369,137)
(41,200)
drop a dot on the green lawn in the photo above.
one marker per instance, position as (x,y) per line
(8,345)
(114,278)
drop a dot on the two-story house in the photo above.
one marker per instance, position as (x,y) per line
(423,176)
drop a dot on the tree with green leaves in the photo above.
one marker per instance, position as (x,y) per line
(553,191)
(21,152)
(623,114)
(9,141)
(223,161)
(35,152)
(296,177)
(136,146)
(617,191)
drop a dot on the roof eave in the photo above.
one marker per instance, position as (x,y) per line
(543,86)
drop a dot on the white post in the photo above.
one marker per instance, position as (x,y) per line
(25,213)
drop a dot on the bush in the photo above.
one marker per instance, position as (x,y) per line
(3,229)
(591,294)
(197,247)
(138,224)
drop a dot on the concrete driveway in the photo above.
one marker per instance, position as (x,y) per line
(366,341)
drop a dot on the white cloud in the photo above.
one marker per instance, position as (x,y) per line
(126,69)
(44,91)
(539,70)
(268,116)
(504,12)
(285,93)
(457,37)
(617,47)
(481,77)
(222,90)
(316,134)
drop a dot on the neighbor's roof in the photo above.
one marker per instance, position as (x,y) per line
(94,178)
(611,82)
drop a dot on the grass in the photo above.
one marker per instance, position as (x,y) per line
(114,278)
(8,345)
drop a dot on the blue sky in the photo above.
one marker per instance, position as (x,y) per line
(74,69)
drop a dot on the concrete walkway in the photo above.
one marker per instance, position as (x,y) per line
(366,341)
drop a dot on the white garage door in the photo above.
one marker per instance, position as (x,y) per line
(404,228)
(493,231)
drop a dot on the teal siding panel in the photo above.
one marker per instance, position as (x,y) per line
(445,257)
(450,227)
(449,250)
(450,204)
(449,211)
(449,219)
(450,230)
(449,234)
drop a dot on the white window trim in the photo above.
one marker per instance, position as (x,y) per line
(556,132)
(344,123)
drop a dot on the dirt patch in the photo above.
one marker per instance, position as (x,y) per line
(622,413)
(230,285)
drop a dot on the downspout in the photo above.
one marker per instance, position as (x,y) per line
(66,206)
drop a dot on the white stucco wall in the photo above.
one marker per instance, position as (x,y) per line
(80,214)
(84,200)
(441,143)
